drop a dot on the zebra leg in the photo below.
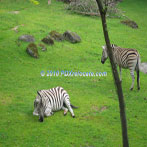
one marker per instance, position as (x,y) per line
(138,79)
(67,102)
(133,78)
(120,74)
(65,110)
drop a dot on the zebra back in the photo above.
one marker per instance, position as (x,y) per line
(125,57)
(54,97)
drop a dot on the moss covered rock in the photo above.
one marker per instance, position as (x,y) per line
(32,50)
(56,36)
(130,23)
(72,37)
(42,47)
(48,40)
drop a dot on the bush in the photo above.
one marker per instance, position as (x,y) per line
(89,7)
(66,1)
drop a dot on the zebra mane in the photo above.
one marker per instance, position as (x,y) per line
(113,45)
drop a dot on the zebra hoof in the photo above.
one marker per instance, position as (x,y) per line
(65,114)
(131,89)
(41,120)
(138,88)
(73,116)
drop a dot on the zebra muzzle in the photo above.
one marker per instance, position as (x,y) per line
(41,119)
(102,62)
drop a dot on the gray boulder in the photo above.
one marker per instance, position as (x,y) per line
(27,38)
(32,50)
(71,37)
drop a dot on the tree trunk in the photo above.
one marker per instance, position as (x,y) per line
(115,74)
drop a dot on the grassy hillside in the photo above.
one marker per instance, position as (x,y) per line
(97,122)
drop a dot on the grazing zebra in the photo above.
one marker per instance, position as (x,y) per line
(48,101)
(124,58)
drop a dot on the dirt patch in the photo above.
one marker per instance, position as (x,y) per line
(14,12)
(96,109)
(103,108)
(92,114)
(16,28)
(5,99)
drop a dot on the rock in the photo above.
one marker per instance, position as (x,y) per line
(27,38)
(143,67)
(42,46)
(48,40)
(130,23)
(71,37)
(56,36)
(32,50)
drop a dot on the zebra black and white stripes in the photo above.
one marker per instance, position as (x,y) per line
(124,58)
(48,101)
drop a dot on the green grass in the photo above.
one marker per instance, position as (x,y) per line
(20,78)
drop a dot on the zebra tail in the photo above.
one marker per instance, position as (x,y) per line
(73,106)
(138,63)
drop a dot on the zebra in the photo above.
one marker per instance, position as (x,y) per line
(125,58)
(48,101)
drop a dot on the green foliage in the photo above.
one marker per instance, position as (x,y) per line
(34,2)
(97,121)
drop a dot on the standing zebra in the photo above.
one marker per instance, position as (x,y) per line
(51,100)
(124,58)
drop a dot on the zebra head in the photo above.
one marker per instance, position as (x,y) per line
(104,54)
(39,108)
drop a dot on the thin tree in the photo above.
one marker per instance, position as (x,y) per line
(103,11)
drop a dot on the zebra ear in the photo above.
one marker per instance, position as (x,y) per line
(41,104)
(113,45)
(38,92)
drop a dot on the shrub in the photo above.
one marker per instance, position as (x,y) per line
(89,7)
